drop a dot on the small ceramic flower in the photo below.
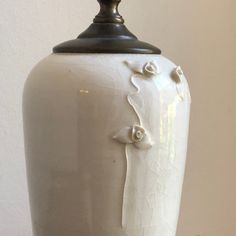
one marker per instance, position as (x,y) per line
(148,69)
(177,74)
(135,135)
(151,69)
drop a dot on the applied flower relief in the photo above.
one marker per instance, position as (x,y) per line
(177,74)
(149,69)
(135,135)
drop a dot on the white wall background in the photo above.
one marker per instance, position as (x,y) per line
(199,35)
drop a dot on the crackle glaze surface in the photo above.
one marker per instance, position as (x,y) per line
(105,138)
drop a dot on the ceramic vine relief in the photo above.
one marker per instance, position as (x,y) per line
(140,206)
(136,134)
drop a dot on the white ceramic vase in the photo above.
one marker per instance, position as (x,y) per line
(105,139)
(106,125)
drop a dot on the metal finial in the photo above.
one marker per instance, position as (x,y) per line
(109,12)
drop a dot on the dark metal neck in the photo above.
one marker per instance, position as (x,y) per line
(107,34)
(108,12)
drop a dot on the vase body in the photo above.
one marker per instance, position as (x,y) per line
(105,139)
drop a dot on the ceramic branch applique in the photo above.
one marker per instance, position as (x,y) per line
(136,134)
